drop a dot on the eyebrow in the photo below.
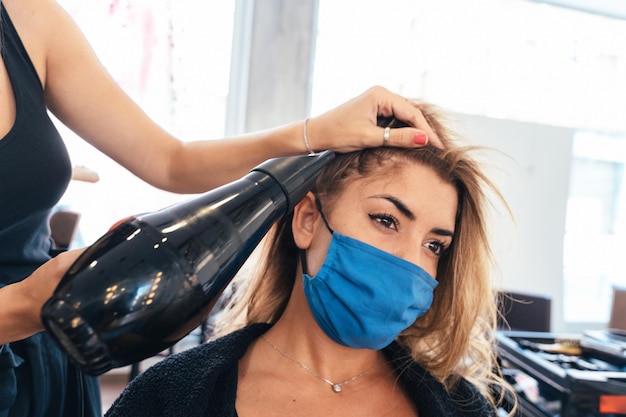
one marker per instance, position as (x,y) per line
(442,232)
(409,214)
(399,205)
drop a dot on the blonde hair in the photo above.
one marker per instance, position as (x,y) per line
(455,338)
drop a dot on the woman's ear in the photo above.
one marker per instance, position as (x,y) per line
(305,219)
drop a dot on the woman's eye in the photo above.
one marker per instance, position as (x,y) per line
(436,247)
(385,220)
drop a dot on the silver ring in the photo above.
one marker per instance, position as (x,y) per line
(386,136)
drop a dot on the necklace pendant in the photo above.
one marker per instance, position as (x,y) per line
(337,388)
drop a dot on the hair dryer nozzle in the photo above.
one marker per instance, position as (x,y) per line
(296,174)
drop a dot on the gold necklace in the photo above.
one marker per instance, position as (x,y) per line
(336,386)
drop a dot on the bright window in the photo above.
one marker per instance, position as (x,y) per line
(514,59)
(173,59)
(595,233)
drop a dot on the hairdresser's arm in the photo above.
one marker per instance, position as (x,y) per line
(81,93)
(21,303)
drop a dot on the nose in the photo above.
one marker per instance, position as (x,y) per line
(419,255)
(414,256)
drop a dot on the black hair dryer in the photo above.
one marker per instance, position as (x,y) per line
(154,278)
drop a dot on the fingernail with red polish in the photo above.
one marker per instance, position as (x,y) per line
(420,138)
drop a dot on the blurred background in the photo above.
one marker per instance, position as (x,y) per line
(542,83)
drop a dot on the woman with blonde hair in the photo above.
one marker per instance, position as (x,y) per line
(47,66)
(375,298)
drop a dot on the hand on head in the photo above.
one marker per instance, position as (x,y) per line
(353,125)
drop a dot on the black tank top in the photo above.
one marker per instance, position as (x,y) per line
(36,378)
(34,166)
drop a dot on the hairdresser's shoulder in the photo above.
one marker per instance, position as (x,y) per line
(36,21)
(32,14)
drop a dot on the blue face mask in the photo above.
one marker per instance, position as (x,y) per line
(363,297)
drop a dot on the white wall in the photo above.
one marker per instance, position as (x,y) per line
(531,167)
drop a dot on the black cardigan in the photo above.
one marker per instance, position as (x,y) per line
(203,382)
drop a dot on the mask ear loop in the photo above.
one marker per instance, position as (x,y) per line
(318,204)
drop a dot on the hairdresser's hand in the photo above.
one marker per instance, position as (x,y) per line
(21,303)
(42,283)
(352,125)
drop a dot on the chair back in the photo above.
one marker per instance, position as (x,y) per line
(524,312)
